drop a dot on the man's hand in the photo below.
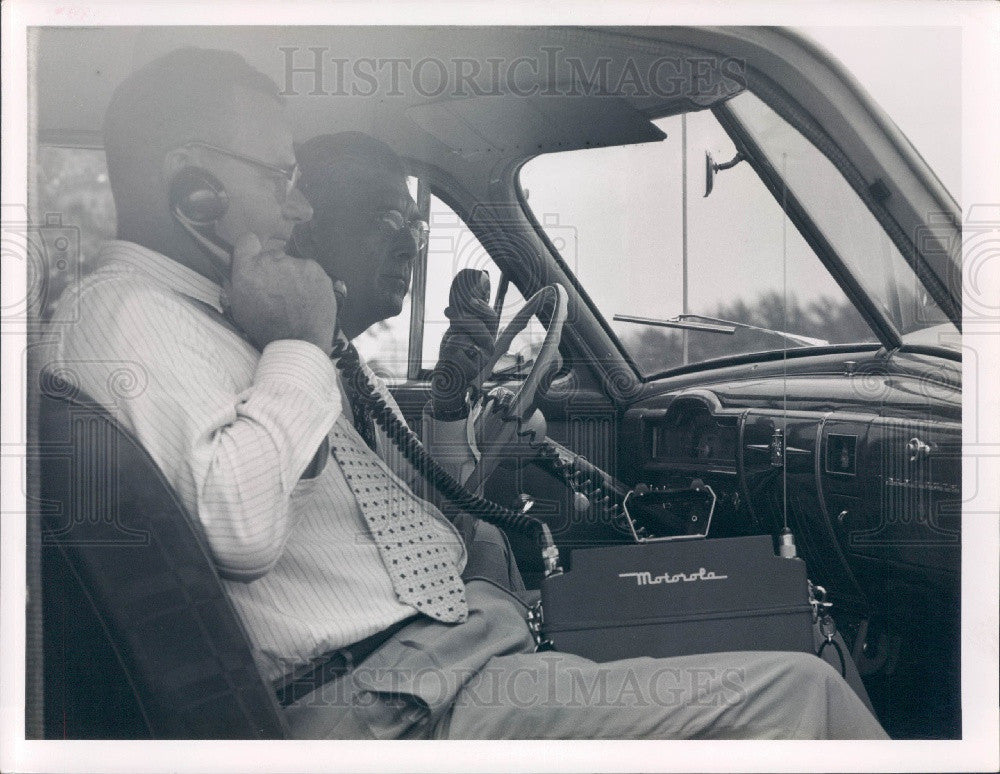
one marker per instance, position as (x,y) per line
(274,296)
(467,344)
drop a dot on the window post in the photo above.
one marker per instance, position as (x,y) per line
(418,291)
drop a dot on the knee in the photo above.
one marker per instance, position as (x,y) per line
(808,667)
(475,530)
(489,557)
(487,533)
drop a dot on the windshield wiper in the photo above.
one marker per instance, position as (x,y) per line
(690,322)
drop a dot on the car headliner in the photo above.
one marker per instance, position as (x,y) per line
(79,69)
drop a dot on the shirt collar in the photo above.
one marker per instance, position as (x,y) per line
(165,271)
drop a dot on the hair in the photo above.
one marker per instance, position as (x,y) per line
(329,161)
(188,94)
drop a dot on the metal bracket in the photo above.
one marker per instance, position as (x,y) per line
(535,620)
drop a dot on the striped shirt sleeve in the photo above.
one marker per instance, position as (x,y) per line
(232,437)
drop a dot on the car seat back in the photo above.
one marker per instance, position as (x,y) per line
(140,637)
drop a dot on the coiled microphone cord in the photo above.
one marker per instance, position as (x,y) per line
(348,362)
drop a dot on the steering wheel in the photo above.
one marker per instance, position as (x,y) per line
(490,425)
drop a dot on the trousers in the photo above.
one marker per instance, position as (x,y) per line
(490,558)
(481,680)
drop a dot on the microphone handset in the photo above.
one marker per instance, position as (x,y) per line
(584,479)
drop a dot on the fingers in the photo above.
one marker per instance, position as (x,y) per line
(467,345)
(468,299)
(469,285)
(247,246)
(468,359)
(466,306)
(476,329)
(502,398)
(250,258)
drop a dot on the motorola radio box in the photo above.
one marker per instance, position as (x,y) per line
(676,598)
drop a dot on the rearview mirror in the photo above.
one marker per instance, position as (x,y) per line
(711,168)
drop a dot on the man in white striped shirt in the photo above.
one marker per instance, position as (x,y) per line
(234,416)
(238,399)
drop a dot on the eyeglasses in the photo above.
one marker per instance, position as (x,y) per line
(290,174)
(393,221)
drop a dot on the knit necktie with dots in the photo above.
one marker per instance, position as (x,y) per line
(419,565)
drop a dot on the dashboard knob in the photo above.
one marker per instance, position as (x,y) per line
(918,450)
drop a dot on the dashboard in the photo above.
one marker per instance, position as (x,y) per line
(870,491)
(693,436)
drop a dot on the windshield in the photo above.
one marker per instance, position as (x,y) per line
(849,226)
(658,255)
(635,227)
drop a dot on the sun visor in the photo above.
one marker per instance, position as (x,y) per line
(509,125)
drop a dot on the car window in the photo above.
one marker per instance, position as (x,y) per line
(73,206)
(844,220)
(451,247)
(647,242)
(386,345)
